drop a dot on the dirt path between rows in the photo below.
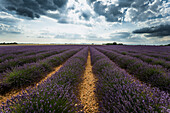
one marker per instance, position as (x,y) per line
(86,89)
(15,93)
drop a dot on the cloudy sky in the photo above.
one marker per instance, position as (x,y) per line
(85,21)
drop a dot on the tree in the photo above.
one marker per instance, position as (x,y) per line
(114,43)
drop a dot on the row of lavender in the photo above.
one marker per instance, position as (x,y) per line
(12,56)
(11,52)
(21,60)
(143,56)
(159,52)
(56,95)
(28,73)
(17,50)
(30,55)
(148,59)
(118,92)
(151,74)
(27,52)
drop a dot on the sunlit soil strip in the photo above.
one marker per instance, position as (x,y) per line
(16,92)
(50,74)
(86,89)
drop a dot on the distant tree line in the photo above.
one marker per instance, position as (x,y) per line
(114,43)
(166,45)
(4,43)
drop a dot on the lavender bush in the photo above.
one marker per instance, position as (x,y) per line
(145,58)
(118,92)
(30,73)
(56,94)
(10,51)
(19,61)
(152,74)
(12,56)
(160,52)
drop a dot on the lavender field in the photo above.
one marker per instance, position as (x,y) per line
(126,79)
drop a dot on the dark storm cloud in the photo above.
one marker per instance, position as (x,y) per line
(86,14)
(99,8)
(139,10)
(156,31)
(27,12)
(112,12)
(34,8)
(125,3)
(90,1)
(122,35)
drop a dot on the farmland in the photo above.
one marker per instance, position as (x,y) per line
(84,78)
